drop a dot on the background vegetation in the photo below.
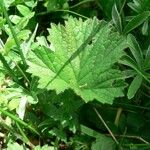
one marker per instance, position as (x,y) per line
(75,74)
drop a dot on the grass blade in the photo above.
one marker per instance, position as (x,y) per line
(16,119)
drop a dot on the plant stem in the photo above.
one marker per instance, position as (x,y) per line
(80,3)
(16,119)
(13,32)
(25,139)
(102,120)
(63,10)
(131,137)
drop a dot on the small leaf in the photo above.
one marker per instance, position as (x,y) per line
(133,7)
(13,104)
(148,53)
(135,49)
(136,21)
(89,131)
(145,28)
(14,18)
(10,43)
(52,5)
(8,3)
(134,86)
(2,22)
(23,10)
(24,21)
(116,18)
(128,61)
(146,64)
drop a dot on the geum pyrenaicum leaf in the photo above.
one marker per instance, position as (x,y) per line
(82,57)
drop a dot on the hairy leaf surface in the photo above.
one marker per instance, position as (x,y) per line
(81,57)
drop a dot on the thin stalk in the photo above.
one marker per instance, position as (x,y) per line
(131,106)
(9,128)
(102,120)
(63,10)
(128,145)
(148,87)
(81,3)
(132,137)
(13,32)
(25,139)
(145,94)
(21,71)
(16,119)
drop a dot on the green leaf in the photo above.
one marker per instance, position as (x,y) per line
(145,28)
(128,61)
(23,10)
(14,19)
(14,146)
(134,86)
(24,21)
(13,104)
(90,132)
(8,3)
(63,108)
(81,57)
(146,64)
(139,5)
(116,18)
(103,143)
(52,5)
(133,7)
(136,21)
(10,43)
(55,4)
(135,49)
(2,21)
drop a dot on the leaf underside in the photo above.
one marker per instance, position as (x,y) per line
(81,57)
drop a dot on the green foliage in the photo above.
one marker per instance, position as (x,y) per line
(70,64)
(136,21)
(116,18)
(74,75)
(137,63)
(62,108)
(55,4)
(139,5)
(101,142)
